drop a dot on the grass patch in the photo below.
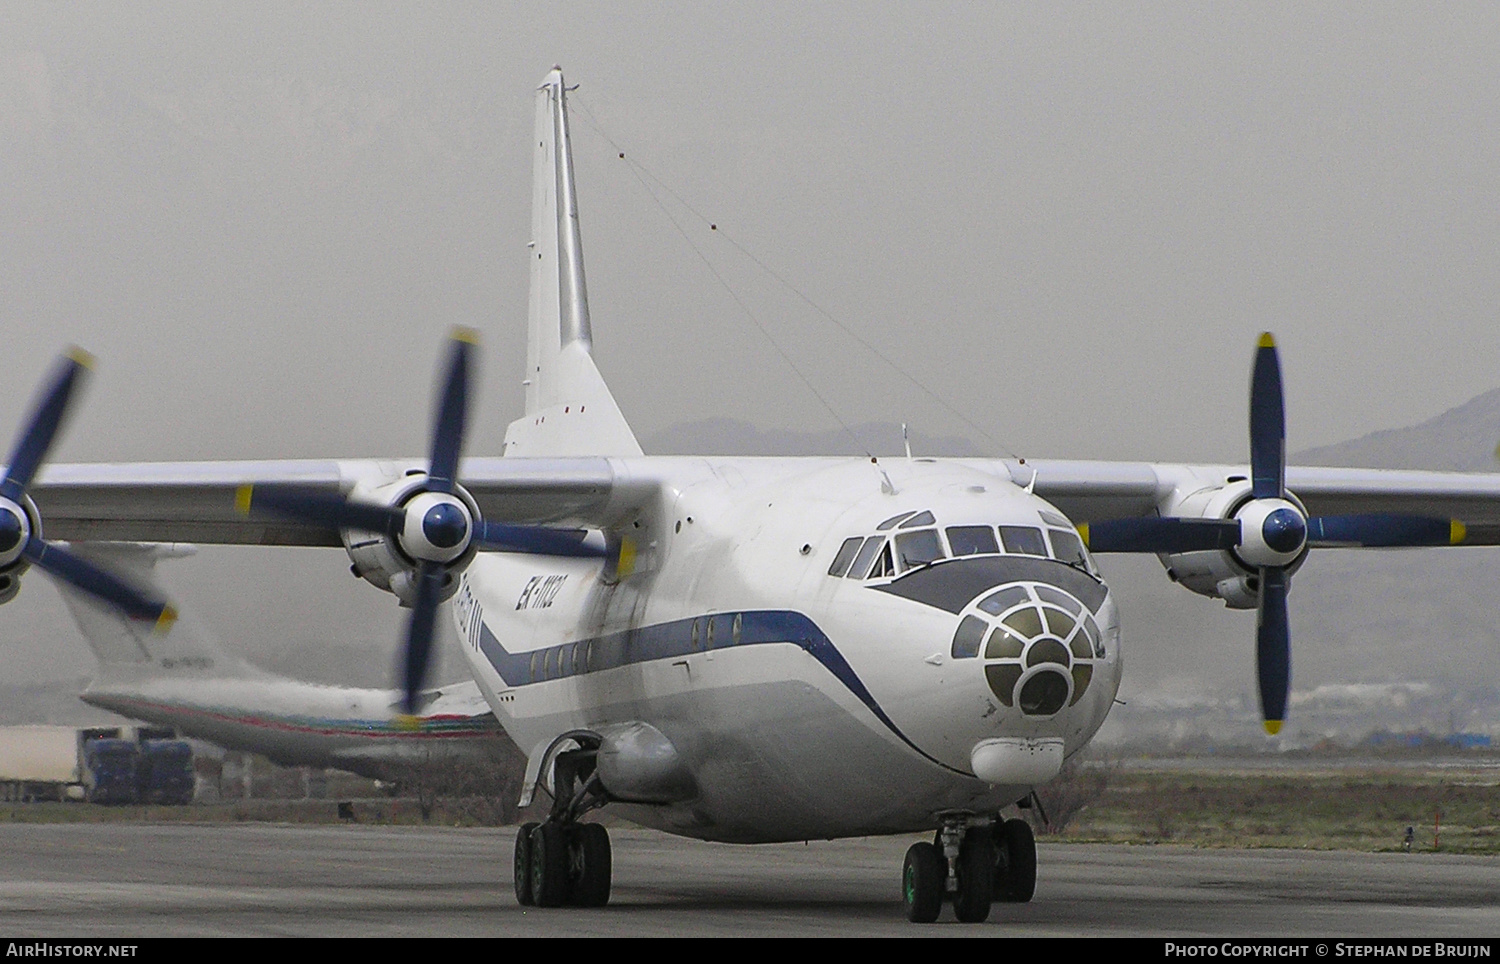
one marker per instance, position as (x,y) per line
(1450,812)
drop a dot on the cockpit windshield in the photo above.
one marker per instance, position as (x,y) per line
(913,539)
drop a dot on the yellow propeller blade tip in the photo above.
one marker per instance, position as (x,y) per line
(165,621)
(1273,727)
(408,723)
(1267,340)
(1083,532)
(1457,532)
(242,499)
(466,335)
(81,357)
(626,563)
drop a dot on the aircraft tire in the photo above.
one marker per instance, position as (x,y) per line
(549,865)
(524,895)
(976,876)
(1017,845)
(924,877)
(591,888)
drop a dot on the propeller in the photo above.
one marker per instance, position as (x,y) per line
(435,527)
(20,525)
(1270,533)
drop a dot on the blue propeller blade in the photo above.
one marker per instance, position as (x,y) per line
(46,418)
(419,634)
(1267,424)
(1273,647)
(320,507)
(536,540)
(98,582)
(1382,530)
(1161,535)
(448,432)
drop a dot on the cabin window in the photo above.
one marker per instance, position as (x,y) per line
(918,548)
(536,666)
(549,666)
(861,567)
(972,540)
(922,519)
(736,630)
(970,634)
(1023,540)
(710,643)
(845,556)
(695,637)
(1067,547)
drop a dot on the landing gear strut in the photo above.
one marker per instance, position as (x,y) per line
(562,861)
(973,862)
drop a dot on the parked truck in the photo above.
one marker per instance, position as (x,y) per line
(100,764)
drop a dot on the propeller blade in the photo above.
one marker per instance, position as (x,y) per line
(1382,530)
(536,541)
(1273,647)
(90,578)
(46,418)
(1160,535)
(320,507)
(419,634)
(1267,424)
(448,431)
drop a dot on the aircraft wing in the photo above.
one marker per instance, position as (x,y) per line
(196,501)
(1091,491)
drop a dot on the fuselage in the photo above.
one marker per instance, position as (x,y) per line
(296,723)
(824,642)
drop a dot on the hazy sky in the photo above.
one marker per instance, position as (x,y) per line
(1069,222)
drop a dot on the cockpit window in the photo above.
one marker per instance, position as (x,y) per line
(845,556)
(918,548)
(972,540)
(891,522)
(921,519)
(1023,540)
(866,555)
(884,564)
(1068,548)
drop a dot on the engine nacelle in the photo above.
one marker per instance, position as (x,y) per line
(391,563)
(1273,532)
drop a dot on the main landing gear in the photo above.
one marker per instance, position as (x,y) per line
(972,862)
(561,861)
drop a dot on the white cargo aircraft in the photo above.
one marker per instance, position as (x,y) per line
(755,649)
(185,679)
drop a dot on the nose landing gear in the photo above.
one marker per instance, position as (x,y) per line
(972,862)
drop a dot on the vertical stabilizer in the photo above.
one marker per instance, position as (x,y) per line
(569,409)
(127,648)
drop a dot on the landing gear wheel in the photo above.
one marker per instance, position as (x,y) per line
(923,879)
(1015,865)
(975,871)
(592,860)
(549,865)
(524,895)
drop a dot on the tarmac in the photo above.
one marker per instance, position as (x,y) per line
(215,880)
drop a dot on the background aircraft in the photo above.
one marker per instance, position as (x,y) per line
(187,680)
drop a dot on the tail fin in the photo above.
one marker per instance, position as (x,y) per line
(569,409)
(127,648)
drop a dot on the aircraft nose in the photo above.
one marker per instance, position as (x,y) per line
(1038,644)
